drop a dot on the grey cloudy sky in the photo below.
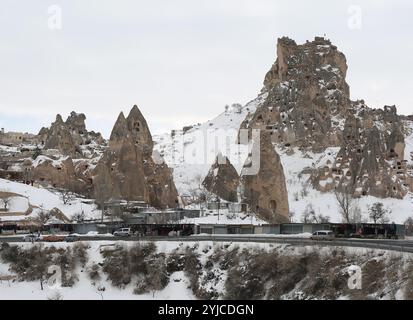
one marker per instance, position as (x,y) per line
(181,61)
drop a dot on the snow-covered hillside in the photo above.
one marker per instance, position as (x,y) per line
(302,196)
(206,270)
(27,201)
(191,154)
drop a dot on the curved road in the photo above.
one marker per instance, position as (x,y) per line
(394,245)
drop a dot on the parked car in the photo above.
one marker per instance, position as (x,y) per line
(31,238)
(54,238)
(323,235)
(123,232)
(72,238)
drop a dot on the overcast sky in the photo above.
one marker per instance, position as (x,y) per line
(182,61)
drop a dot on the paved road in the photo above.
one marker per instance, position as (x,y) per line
(395,245)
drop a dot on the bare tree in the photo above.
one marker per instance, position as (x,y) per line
(40,265)
(102,194)
(409,224)
(378,213)
(66,196)
(157,275)
(6,197)
(291,215)
(43,215)
(79,217)
(356,215)
(309,216)
(304,190)
(323,219)
(345,200)
(6,202)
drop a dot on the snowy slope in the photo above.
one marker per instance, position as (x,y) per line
(301,194)
(178,287)
(39,197)
(191,154)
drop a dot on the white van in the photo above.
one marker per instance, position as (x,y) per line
(323,235)
(124,232)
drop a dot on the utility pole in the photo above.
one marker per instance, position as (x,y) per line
(219,205)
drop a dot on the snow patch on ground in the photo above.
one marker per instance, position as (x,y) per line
(40,197)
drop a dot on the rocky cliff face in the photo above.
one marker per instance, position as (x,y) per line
(308,109)
(127,169)
(63,173)
(266,191)
(68,156)
(59,137)
(306,90)
(68,137)
(222,179)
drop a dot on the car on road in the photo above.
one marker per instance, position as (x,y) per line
(31,238)
(323,235)
(72,238)
(123,232)
(54,238)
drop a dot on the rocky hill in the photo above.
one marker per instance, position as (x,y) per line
(129,171)
(67,156)
(308,107)
(311,139)
(326,141)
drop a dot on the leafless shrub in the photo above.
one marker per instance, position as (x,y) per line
(309,216)
(408,292)
(32,264)
(116,266)
(80,253)
(43,215)
(79,217)
(94,273)
(66,196)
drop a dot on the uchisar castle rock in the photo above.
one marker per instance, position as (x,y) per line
(308,107)
(304,114)
(327,141)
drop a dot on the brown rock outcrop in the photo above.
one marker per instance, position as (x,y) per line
(307,108)
(371,160)
(59,137)
(127,170)
(305,89)
(68,137)
(222,179)
(62,174)
(266,191)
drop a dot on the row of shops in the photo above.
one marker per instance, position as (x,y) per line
(362,230)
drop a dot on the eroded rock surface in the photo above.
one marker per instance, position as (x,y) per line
(127,169)
(266,191)
(222,179)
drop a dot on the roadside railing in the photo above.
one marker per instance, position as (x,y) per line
(368,244)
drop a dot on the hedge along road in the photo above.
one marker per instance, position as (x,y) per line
(393,245)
